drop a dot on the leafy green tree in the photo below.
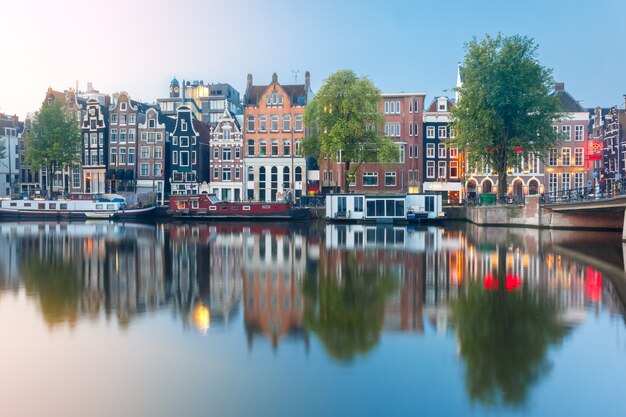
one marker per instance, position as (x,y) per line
(505,109)
(344,124)
(347,312)
(54,139)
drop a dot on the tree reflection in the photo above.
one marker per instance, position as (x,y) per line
(503,333)
(345,306)
(58,286)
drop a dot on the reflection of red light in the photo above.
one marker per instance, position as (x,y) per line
(490,282)
(512,282)
(518,149)
(593,284)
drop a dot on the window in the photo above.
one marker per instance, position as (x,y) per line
(226,154)
(442,169)
(93,137)
(390,179)
(442,150)
(430,132)
(416,132)
(184,141)
(579,133)
(397,107)
(158,170)
(566,156)
(193,157)
(144,169)
(274,123)
(226,174)
(132,118)
(415,108)
(578,156)
(567,132)
(114,118)
(184,158)
(216,173)
(145,152)
(122,119)
(298,126)
(262,148)
(358,204)
(566,181)
(122,135)
(226,132)
(151,123)
(454,153)
(75,178)
(183,125)
(175,157)
(263,124)
(430,169)
(454,169)
(411,129)
(298,174)
(552,157)
(286,123)
(370,179)
(216,152)
(250,124)
(237,173)
(113,160)
(250,174)
(286,148)
(131,135)
(113,135)
(158,152)
(579,180)
(150,137)
(250,147)
(237,152)
(122,156)
(443,132)
(123,106)
(274,148)
(553,181)
(410,106)
(430,150)
(402,153)
(131,156)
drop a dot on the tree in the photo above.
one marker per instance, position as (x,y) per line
(505,110)
(344,124)
(54,140)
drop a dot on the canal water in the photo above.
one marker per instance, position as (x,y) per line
(103,319)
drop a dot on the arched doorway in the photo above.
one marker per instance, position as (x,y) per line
(518,188)
(487,186)
(533,187)
(262,183)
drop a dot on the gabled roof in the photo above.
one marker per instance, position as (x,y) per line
(204,131)
(432,108)
(568,103)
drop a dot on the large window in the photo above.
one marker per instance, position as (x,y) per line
(442,150)
(274,123)
(298,174)
(226,154)
(286,148)
(131,156)
(122,156)
(263,124)
(113,135)
(553,181)
(274,148)
(578,156)
(430,132)
(566,154)
(443,132)
(579,180)
(184,158)
(75,178)
(158,152)
(226,174)
(553,157)
(370,179)
(250,124)
(286,123)
(299,127)
(566,181)
(145,152)
(113,160)
(144,169)
(122,135)
(442,169)
(430,150)
(567,132)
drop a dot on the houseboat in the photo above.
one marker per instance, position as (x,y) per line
(210,207)
(407,208)
(98,206)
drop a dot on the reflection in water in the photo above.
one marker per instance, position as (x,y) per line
(346,301)
(508,294)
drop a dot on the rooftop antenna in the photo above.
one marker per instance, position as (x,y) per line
(295,74)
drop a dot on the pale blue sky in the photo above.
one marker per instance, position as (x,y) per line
(401,45)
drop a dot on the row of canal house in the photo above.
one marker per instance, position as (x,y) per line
(248,149)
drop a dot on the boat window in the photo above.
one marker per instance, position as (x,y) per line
(99,206)
(41,206)
(110,207)
(390,206)
(194,204)
(430,203)
(212,208)
(246,208)
(371,208)
(63,206)
(52,206)
(13,204)
(341,204)
(26,204)
(224,208)
(380,208)
(265,206)
(358,204)
(399,208)
(234,208)
(180,204)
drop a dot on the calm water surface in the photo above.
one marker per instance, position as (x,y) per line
(274,320)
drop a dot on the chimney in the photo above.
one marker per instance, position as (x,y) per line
(107,101)
(16,119)
(274,78)
(249,80)
(307,81)
(559,86)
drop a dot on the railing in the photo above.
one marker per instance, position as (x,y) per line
(575,195)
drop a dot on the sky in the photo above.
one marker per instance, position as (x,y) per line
(138,46)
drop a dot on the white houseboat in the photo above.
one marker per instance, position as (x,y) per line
(407,208)
(96,207)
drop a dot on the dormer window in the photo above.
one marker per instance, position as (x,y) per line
(123,106)
(183,125)
(274,99)
(226,132)
(151,123)
(442,105)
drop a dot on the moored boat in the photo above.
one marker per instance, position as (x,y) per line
(209,207)
(98,207)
